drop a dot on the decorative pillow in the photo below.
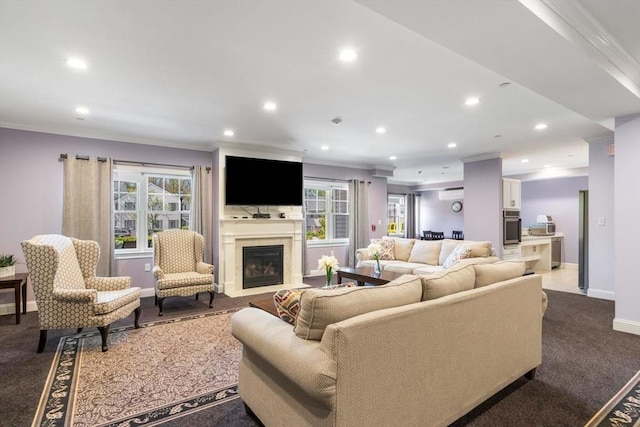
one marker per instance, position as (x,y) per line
(487,274)
(387,248)
(287,301)
(319,309)
(401,247)
(425,252)
(461,252)
(458,278)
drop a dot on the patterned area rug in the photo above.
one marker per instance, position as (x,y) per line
(623,410)
(164,370)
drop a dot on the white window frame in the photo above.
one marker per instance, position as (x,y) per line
(139,174)
(328,187)
(397,202)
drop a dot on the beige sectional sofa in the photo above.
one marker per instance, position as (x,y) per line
(419,351)
(413,256)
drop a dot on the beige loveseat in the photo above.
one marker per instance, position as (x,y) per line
(405,353)
(414,256)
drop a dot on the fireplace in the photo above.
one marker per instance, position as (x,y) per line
(262,266)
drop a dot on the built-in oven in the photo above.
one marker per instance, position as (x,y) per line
(511,228)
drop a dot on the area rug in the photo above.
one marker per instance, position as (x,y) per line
(623,410)
(161,371)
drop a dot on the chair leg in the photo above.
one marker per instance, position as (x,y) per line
(160,305)
(43,340)
(104,332)
(136,323)
(79,330)
(156,301)
(211,295)
(197,296)
(531,374)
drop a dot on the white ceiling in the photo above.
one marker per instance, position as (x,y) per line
(178,73)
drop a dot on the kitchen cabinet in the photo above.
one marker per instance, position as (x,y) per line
(510,193)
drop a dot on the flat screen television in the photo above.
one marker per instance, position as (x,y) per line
(263,182)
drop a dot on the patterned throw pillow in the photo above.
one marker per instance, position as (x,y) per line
(387,248)
(287,301)
(460,252)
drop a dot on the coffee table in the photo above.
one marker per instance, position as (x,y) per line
(364,275)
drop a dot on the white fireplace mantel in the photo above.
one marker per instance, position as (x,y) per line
(238,233)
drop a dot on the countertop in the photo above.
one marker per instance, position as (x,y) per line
(528,238)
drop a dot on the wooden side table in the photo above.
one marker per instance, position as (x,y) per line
(17,281)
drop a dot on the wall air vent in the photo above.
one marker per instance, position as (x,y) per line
(451,194)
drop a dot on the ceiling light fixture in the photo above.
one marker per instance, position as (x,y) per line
(228,132)
(393,158)
(452,145)
(270,106)
(547,166)
(541,126)
(381,130)
(336,120)
(472,101)
(324,147)
(348,55)
(82,110)
(524,161)
(76,63)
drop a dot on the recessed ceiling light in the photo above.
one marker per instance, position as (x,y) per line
(392,157)
(77,63)
(82,110)
(541,126)
(381,130)
(472,101)
(228,132)
(547,166)
(348,55)
(324,147)
(452,145)
(270,106)
(524,160)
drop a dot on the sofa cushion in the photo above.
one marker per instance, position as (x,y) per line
(478,249)
(387,246)
(401,247)
(427,269)
(487,274)
(458,278)
(461,252)
(403,267)
(318,308)
(426,252)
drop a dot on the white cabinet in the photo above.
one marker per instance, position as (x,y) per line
(510,193)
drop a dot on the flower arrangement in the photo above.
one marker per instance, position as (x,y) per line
(7,265)
(375,250)
(329,264)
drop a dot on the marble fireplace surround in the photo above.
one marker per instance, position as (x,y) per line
(236,234)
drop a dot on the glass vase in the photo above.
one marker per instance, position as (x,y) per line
(376,268)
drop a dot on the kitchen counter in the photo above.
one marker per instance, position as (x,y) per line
(535,251)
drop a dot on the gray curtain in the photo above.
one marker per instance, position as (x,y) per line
(201,209)
(86,206)
(358,217)
(410,212)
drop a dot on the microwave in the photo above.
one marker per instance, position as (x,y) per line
(542,229)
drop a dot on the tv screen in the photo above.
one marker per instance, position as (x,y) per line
(263,182)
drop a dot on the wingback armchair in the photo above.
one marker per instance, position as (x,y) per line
(178,267)
(68,293)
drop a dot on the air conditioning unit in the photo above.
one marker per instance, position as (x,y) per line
(451,194)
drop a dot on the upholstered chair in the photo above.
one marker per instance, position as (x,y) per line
(178,268)
(68,293)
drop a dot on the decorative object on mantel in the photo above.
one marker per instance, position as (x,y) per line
(329,264)
(375,250)
(7,265)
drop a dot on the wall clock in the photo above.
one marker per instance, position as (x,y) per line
(456,206)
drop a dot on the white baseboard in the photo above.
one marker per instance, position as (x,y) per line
(628,326)
(569,266)
(147,292)
(597,293)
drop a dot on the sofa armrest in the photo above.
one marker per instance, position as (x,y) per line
(301,361)
(362,254)
(157,272)
(204,268)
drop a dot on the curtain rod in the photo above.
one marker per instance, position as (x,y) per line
(104,159)
(79,157)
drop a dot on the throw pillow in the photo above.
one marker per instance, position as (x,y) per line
(425,252)
(287,301)
(387,248)
(401,247)
(461,252)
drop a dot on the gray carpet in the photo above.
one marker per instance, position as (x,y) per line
(585,363)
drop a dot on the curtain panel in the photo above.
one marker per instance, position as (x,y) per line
(86,206)
(201,209)
(358,217)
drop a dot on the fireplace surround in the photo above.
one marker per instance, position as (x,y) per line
(238,233)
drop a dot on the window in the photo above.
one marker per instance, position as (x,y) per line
(326,206)
(395,214)
(146,200)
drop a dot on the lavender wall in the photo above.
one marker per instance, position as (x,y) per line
(558,198)
(31,189)
(436,214)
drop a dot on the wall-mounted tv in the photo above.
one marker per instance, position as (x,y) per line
(263,182)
